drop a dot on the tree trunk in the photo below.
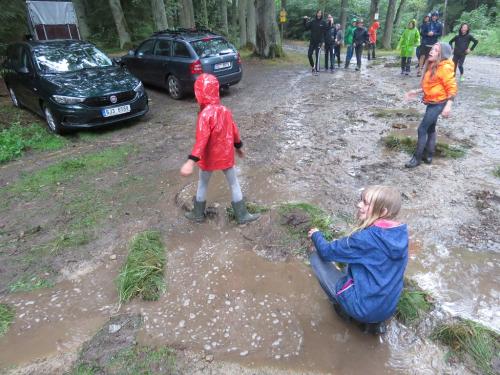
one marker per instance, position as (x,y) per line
(204,13)
(81,14)
(389,22)
(399,13)
(444,17)
(251,25)
(268,41)
(186,16)
(242,5)
(234,16)
(223,17)
(120,22)
(373,10)
(343,14)
(159,14)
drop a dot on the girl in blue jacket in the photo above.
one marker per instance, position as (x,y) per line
(376,254)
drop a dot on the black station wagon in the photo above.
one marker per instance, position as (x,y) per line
(71,84)
(174,59)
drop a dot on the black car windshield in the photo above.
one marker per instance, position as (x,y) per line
(51,59)
(212,47)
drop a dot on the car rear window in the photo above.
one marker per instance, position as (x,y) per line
(212,47)
(180,50)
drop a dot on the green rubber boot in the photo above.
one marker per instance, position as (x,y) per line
(198,212)
(241,213)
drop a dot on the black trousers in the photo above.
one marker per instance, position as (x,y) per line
(459,60)
(336,50)
(313,47)
(405,64)
(329,54)
(359,52)
(371,49)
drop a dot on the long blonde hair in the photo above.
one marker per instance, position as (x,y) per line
(384,202)
(432,66)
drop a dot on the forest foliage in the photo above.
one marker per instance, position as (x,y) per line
(224,16)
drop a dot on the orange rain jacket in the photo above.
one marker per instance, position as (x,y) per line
(372,32)
(442,86)
(216,132)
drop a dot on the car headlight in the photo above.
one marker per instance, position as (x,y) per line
(62,99)
(139,88)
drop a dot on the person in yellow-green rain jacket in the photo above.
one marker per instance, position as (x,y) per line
(410,39)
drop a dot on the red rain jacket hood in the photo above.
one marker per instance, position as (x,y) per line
(216,132)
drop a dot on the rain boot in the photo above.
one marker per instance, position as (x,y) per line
(375,328)
(414,162)
(197,214)
(241,213)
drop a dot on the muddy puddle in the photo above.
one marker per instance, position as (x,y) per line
(317,141)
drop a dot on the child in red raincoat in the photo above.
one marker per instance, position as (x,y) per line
(217,137)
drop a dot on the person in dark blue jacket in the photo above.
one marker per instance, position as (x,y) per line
(330,37)
(431,32)
(317,27)
(376,254)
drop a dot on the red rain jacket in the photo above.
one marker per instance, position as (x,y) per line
(372,32)
(216,132)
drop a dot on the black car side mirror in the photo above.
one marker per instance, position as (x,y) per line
(23,70)
(117,60)
(131,53)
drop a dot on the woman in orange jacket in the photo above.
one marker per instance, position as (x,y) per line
(439,88)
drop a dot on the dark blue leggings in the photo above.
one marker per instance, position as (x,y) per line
(427,130)
(327,275)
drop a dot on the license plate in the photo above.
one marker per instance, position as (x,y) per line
(222,65)
(108,112)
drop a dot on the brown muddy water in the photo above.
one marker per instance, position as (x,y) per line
(313,139)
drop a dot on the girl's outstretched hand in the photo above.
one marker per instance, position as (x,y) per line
(411,95)
(187,168)
(311,232)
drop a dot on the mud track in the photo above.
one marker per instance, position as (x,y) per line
(312,139)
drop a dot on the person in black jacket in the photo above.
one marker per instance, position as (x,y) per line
(462,41)
(317,27)
(330,36)
(359,41)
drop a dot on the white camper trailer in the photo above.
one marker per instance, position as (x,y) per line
(52,19)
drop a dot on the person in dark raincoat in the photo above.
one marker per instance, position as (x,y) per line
(360,39)
(462,42)
(217,136)
(330,38)
(317,27)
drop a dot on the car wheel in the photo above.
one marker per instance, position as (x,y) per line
(13,97)
(174,87)
(52,123)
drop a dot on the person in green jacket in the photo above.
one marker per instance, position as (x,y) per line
(349,34)
(407,44)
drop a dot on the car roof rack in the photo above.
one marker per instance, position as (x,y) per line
(180,31)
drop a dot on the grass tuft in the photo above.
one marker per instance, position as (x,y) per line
(496,171)
(30,283)
(16,139)
(143,360)
(412,305)
(142,273)
(6,318)
(85,369)
(469,338)
(316,218)
(252,208)
(408,145)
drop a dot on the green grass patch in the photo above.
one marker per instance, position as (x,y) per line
(395,112)
(252,208)
(470,339)
(17,139)
(142,273)
(30,283)
(6,318)
(289,58)
(412,306)
(408,145)
(85,369)
(84,166)
(496,171)
(143,360)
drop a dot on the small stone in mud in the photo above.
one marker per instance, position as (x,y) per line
(244,353)
(113,328)
(209,358)
(112,257)
(182,324)
(207,347)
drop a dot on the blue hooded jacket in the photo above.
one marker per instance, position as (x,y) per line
(436,27)
(376,259)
